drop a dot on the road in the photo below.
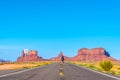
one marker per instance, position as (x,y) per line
(52,72)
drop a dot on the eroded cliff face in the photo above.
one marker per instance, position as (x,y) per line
(83,55)
(91,55)
(31,56)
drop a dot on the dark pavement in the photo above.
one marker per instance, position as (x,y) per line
(51,72)
(2,72)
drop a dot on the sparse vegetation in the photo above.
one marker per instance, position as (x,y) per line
(113,68)
(21,65)
(106,65)
(36,64)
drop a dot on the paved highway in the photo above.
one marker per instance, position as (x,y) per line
(52,72)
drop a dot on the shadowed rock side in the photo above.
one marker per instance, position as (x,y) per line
(31,56)
(92,55)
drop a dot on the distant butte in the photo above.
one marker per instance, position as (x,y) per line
(83,55)
(92,55)
(58,58)
(31,56)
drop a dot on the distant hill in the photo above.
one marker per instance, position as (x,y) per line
(1,60)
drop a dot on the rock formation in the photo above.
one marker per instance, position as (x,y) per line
(30,56)
(58,58)
(83,55)
(91,55)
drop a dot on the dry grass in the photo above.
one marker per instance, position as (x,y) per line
(22,65)
(10,66)
(114,70)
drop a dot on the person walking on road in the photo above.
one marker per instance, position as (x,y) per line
(62,59)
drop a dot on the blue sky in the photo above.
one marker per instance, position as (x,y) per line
(51,26)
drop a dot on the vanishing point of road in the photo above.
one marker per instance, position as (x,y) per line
(52,72)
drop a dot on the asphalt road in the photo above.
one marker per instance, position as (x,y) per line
(52,72)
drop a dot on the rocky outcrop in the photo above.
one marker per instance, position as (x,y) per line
(58,58)
(83,55)
(92,55)
(32,55)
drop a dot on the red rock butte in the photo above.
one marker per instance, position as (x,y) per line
(31,56)
(92,55)
(58,58)
(83,55)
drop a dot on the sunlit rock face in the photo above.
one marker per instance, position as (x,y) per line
(32,55)
(92,55)
(83,55)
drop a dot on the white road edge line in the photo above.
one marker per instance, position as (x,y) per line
(18,72)
(100,72)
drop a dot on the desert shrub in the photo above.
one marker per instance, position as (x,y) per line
(26,67)
(106,65)
(118,73)
(91,66)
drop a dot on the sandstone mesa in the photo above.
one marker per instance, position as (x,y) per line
(83,55)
